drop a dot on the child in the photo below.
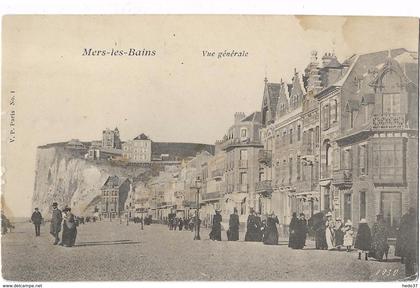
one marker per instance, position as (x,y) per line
(348,235)
(363,239)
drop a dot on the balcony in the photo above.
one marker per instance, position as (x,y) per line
(392,121)
(243,164)
(217,174)
(179,194)
(236,142)
(264,187)
(342,177)
(265,157)
(212,196)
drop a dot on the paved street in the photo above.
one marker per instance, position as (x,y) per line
(113,251)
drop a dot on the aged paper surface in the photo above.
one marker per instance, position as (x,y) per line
(159,130)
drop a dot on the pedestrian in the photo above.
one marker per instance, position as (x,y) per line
(329,231)
(407,242)
(363,239)
(216,229)
(300,231)
(317,223)
(36,219)
(380,245)
(180,224)
(348,235)
(55,226)
(69,228)
(339,233)
(5,224)
(271,235)
(260,227)
(252,227)
(174,224)
(292,231)
(233,232)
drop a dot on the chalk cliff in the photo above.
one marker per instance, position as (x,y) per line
(69,179)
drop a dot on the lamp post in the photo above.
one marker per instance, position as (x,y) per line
(197,217)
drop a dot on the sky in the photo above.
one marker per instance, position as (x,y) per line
(176,95)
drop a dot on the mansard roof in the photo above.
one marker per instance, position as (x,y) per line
(254,117)
(142,136)
(114,182)
(271,95)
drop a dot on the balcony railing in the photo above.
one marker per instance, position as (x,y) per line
(217,174)
(212,195)
(237,142)
(389,121)
(264,187)
(243,163)
(342,177)
(179,194)
(265,157)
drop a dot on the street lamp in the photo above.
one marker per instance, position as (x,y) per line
(197,217)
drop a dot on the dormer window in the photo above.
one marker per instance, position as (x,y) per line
(244,132)
(391,103)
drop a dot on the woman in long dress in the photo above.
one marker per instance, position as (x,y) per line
(292,231)
(271,233)
(69,228)
(329,231)
(216,230)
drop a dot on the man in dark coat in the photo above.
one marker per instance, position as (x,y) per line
(216,229)
(55,226)
(252,227)
(271,235)
(233,232)
(36,219)
(380,245)
(407,242)
(292,231)
(363,239)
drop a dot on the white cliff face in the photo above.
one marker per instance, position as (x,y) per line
(68,180)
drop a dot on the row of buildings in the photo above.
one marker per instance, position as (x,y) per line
(342,137)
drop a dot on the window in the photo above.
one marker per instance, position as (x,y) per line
(391,103)
(347,206)
(333,112)
(261,177)
(244,179)
(243,207)
(291,136)
(388,161)
(347,158)
(298,133)
(290,169)
(298,163)
(363,160)
(316,135)
(391,209)
(351,118)
(243,155)
(244,132)
(326,116)
(362,200)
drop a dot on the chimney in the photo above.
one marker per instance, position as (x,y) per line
(239,116)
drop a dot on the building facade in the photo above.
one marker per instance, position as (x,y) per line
(111,139)
(138,150)
(242,170)
(114,194)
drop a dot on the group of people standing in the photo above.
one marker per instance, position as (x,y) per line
(179,223)
(257,230)
(67,222)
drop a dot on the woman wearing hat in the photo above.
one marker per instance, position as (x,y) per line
(363,239)
(216,229)
(329,231)
(348,235)
(69,228)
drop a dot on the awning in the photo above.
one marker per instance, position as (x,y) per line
(306,196)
